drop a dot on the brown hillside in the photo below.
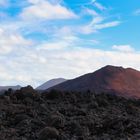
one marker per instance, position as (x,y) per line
(110,79)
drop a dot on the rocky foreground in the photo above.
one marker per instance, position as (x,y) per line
(28,115)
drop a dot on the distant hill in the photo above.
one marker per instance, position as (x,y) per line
(4,88)
(110,79)
(51,83)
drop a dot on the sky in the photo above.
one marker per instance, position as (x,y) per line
(45,39)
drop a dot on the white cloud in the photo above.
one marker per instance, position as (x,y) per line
(59,58)
(9,41)
(30,65)
(63,42)
(123,48)
(46,10)
(53,46)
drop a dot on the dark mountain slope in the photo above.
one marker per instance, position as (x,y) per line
(110,79)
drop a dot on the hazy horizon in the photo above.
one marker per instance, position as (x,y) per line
(46,39)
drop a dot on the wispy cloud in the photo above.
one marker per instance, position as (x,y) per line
(107,25)
(100,18)
(99,6)
(97,24)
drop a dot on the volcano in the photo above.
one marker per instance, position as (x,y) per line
(109,79)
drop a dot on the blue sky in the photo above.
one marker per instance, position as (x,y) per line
(45,39)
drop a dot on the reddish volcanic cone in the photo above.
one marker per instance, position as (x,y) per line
(109,79)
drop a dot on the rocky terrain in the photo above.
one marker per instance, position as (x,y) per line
(54,115)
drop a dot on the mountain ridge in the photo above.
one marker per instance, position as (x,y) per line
(12,87)
(110,79)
